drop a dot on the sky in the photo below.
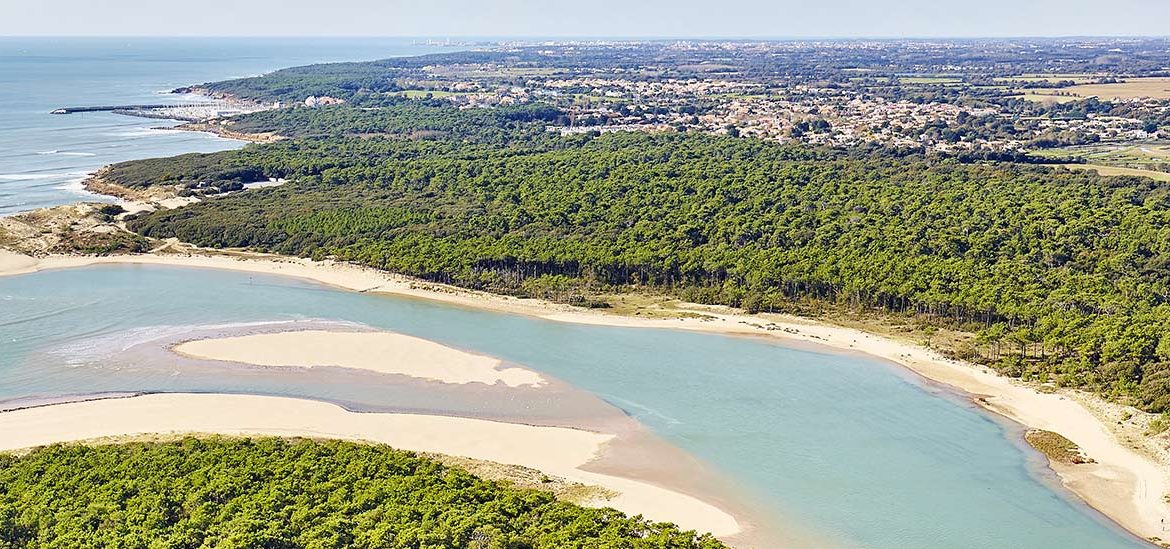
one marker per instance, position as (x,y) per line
(587,18)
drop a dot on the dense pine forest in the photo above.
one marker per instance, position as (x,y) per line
(1063,275)
(253,493)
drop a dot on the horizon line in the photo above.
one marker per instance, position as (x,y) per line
(599,38)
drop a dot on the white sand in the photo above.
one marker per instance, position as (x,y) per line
(1125,485)
(381,352)
(14,263)
(553,450)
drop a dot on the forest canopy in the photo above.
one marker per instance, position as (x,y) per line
(278,493)
(1064,275)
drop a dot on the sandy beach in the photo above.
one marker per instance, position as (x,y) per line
(381,352)
(1125,484)
(553,450)
(14,263)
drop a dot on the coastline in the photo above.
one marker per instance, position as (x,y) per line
(226,133)
(558,451)
(1124,484)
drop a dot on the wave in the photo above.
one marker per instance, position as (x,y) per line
(41,176)
(65,153)
(77,185)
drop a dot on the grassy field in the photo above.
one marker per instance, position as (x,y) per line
(1149,155)
(930,80)
(1132,88)
(1114,170)
(1043,97)
(1078,78)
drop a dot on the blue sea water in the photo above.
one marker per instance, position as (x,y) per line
(44,157)
(853,448)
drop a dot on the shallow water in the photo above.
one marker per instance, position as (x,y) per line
(846,446)
(44,157)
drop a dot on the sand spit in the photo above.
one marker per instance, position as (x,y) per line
(381,352)
(553,450)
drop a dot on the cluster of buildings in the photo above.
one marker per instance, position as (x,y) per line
(830,117)
(780,91)
(828,114)
(816,115)
(314,101)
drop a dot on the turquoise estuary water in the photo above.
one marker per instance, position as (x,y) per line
(853,448)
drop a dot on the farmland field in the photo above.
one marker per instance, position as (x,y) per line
(1158,88)
(1152,155)
(1113,170)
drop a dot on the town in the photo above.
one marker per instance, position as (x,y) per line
(923,96)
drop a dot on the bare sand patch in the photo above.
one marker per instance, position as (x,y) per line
(381,352)
(14,263)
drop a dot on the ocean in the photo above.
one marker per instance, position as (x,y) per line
(45,157)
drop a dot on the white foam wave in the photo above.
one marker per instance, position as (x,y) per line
(65,153)
(76,185)
(40,176)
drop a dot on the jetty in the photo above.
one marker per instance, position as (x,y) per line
(101,108)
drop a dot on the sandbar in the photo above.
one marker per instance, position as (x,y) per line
(382,352)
